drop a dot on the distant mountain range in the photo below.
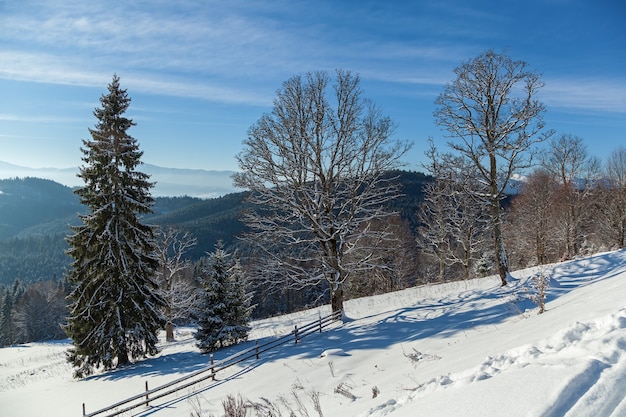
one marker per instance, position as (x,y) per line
(170,182)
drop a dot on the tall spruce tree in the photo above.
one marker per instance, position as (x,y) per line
(115,314)
(224,309)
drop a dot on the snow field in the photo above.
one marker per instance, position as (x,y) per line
(23,365)
(467,348)
(584,366)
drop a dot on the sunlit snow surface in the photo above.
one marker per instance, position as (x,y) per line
(460,349)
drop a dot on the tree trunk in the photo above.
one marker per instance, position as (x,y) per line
(336,299)
(442,269)
(122,358)
(503,271)
(622,234)
(169,332)
(498,241)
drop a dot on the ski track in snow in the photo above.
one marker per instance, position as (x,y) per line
(598,387)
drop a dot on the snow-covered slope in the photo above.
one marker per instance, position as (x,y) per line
(459,349)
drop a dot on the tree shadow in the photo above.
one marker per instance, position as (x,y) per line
(169,363)
(445,317)
(568,276)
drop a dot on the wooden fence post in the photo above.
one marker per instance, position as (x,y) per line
(320,320)
(147,402)
(84,410)
(295,332)
(256,345)
(212,368)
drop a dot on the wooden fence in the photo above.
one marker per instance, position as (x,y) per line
(209,372)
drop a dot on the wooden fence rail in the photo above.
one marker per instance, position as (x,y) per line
(209,372)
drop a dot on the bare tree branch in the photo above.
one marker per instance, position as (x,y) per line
(316,173)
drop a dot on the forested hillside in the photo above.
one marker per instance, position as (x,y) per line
(35,215)
(34,218)
(34,206)
(208,220)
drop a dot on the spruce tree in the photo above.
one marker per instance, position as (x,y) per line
(8,330)
(224,309)
(239,311)
(115,312)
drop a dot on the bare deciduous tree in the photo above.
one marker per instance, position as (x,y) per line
(433,233)
(41,312)
(539,290)
(613,211)
(574,169)
(453,224)
(492,113)
(178,293)
(453,228)
(396,270)
(316,175)
(531,221)
(469,233)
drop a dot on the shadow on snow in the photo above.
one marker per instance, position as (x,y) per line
(446,317)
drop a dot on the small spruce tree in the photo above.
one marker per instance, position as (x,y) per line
(8,330)
(115,312)
(239,308)
(224,309)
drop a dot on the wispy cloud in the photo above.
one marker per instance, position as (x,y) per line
(239,52)
(202,91)
(44,68)
(36,119)
(205,52)
(206,38)
(590,94)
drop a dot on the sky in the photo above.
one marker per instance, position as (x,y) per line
(200,73)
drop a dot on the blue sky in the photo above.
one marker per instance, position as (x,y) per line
(200,73)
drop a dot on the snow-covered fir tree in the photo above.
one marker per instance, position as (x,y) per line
(10,298)
(224,309)
(115,313)
(239,309)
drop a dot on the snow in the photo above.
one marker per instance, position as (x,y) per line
(459,349)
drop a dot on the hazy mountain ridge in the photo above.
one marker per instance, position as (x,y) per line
(169,181)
